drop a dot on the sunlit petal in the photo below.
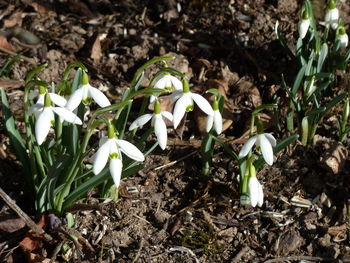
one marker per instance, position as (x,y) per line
(140,121)
(67,115)
(130,150)
(180,109)
(100,158)
(161,83)
(99,97)
(253,191)
(43,124)
(210,121)
(176,83)
(58,100)
(247,147)
(160,131)
(167,115)
(202,103)
(217,121)
(260,195)
(175,96)
(75,99)
(115,168)
(266,148)
(271,139)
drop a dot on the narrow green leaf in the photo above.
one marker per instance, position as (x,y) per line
(298,80)
(322,57)
(335,101)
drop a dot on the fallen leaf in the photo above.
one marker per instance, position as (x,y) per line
(11,224)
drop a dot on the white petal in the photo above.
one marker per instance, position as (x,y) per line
(130,150)
(303,27)
(210,121)
(161,83)
(153,97)
(102,140)
(160,131)
(175,96)
(140,121)
(101,157)
(202,103)
(247,147)
(266,148)
(180,109)
(99,97)
(43,124)
(67,115)
(217,121)
(271,139)
(32,94)
(253,191)
(167,115)
(260,195)
(115,168)
(58,100)
(41,99)
(75,99)
(35,108)
(176,83)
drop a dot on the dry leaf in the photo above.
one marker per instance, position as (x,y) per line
(11,224)
(96,52)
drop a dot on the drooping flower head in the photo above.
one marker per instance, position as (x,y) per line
(166,82)
(342,37)
(215,120)
(45,118)
(184,103)
(265,141)
(255,191)
(332,15)
(111,150)
(304,24)
(85,94)
(158,123)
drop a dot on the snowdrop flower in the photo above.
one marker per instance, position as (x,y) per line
(263,140)
(168,83)
(157,122)
(85,93)
(304,24)
(342,37)
(332,15)
(215,119)
(55,98)
(255,192)
(111,149)
(45,117)
(184,103)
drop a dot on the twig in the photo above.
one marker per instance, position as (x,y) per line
(30,60)
(175,162)
(240,254)
(297,258)
(55,252)
(29,222)
(138,252)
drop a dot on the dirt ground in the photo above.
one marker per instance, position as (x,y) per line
(169,212)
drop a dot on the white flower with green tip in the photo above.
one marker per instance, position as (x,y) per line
(158,123)
(304,24)
(215,120)
(166,82)
(111,149)
(342,37)
(332,15)
(265,141)
(184,103)
(45,118)
(255,192)
(39,104)
(85,93)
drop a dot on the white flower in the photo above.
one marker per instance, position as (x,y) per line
(342,37)
(158,124)
(110,149)
(332,15)
(184,103)
(166,82)
(84,94)
(255,192)
(303,27)
(39,104)
(265,141)
(215,120)
(45,117)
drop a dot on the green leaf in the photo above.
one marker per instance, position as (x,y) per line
(322,57)
(316,111)
(263,107)
(16,141)
(335,101)
(298,80)
(32,74)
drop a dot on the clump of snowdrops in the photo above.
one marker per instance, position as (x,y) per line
(320,51)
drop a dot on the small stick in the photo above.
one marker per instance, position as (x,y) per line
(175,162)
(294,258)
(30,60)
(29,222)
